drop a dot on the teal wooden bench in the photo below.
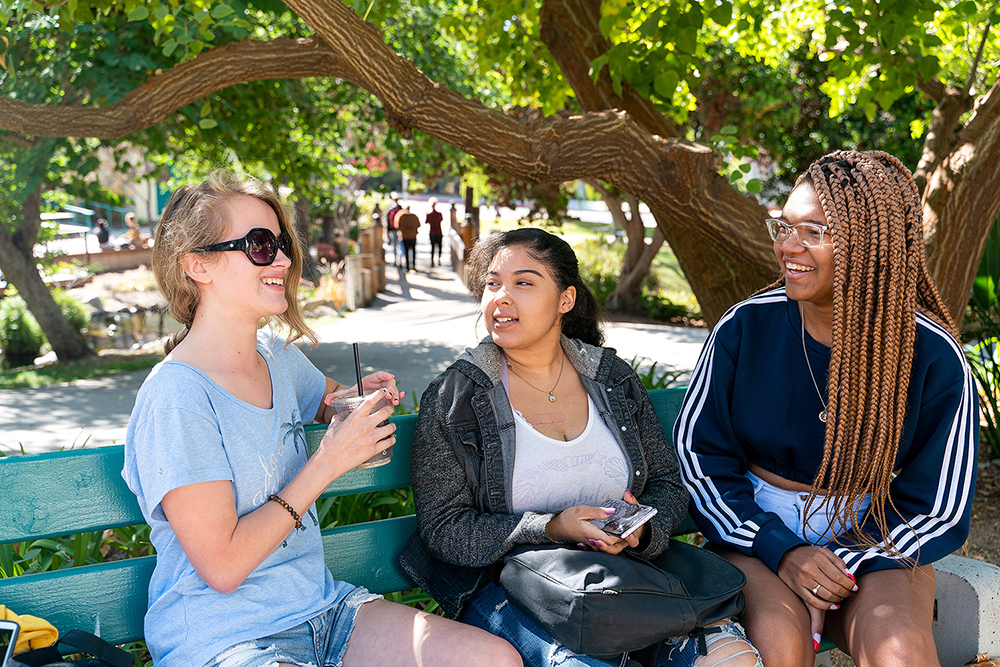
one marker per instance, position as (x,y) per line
(71,492)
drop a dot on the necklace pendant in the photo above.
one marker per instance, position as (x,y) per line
(552,397)
(822,416)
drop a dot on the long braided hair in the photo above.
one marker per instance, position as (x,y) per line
(873,210)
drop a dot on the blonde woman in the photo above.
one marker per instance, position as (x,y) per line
(215,453)
(829,434)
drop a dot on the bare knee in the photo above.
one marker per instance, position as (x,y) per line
(899,648)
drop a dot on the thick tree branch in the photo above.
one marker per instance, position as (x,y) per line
(571,31)
(933,89)
(940,139)
(164,93)
(985,114)
(712,227)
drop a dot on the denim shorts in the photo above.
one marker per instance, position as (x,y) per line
(319,642)
(491,611)
(790,507)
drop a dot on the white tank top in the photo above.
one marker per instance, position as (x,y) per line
(551,475)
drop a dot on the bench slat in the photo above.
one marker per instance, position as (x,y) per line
(107,599)
(112,597)
(667,403)
(392,475)
(365,554)
(63,493)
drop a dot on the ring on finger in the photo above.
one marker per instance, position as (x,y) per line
(815,589)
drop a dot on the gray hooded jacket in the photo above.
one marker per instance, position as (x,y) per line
(463,463)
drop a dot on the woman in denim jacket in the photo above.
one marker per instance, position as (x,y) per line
(583,430)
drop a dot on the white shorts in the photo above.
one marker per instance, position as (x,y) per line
(790,507)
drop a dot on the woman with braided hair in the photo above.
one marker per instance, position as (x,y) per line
(829,434)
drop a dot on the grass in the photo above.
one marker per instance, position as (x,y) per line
(108,362)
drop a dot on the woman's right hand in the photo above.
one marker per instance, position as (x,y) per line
(573,525)
(349,442)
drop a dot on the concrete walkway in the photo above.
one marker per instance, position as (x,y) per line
(415,329)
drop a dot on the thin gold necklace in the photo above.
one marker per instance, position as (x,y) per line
(823,414)
(552,397)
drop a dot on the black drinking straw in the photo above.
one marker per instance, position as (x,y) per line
(357,369)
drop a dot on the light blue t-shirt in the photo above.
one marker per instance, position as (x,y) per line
(185,429)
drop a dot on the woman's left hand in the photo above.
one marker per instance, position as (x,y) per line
(372,383)
(573,524)
(382,380)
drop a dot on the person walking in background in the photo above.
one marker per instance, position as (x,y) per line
(408,224)
(433,222)
(103,234)
(133,237)
(390,225)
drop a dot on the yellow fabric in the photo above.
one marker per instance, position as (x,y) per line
(35,632)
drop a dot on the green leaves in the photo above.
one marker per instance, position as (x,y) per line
(140,13)
(737,158)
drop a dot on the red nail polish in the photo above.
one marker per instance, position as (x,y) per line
(852,577)
(815,646)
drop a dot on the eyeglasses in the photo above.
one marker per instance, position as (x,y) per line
(806,234)
(259,245)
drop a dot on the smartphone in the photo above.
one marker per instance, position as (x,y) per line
(8,640)
(626,519)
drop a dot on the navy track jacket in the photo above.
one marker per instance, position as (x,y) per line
(751,400)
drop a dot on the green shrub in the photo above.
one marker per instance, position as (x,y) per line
(663,306)
(982,333)
(600,266)
(21,339)
(651,379)
(76,312)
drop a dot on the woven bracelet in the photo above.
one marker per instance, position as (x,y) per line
(295,515)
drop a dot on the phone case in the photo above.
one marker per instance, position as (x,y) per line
(626,519)
(8,640)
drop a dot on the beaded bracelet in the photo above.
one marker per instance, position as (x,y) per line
(295,515)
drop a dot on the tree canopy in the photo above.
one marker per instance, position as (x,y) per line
(639,95)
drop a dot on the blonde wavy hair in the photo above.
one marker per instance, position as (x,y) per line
(197,216)
(880,280)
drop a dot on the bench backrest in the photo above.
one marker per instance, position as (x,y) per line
(65,493)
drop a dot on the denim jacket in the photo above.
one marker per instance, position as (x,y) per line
(463,463)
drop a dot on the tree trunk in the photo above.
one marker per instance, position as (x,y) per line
(961,199)
(716,232)
(639,256)
(18,265)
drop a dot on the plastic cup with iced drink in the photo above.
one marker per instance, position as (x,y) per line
(345,406)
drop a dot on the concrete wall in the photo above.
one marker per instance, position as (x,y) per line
(115,260)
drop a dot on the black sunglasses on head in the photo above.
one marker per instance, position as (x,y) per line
(259,245)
